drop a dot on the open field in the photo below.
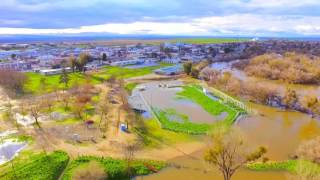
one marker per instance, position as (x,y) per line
(191,40)
(51,84)
(209,40)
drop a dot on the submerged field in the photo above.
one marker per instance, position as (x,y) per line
(187,109)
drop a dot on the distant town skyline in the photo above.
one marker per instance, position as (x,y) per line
(161,17)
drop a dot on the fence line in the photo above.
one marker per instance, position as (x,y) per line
(228,99)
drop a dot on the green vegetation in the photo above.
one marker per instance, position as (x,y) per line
(182,125)
(292,166)
(122,72)
(154,136)
(213,107)
(18,138)
(209,40)
(130,86)
(39,166)
(116,169)
(34,84)
(38,83)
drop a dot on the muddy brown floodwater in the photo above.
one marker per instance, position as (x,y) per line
(280,131)
(166,98)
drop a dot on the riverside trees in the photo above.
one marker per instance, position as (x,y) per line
(291,67)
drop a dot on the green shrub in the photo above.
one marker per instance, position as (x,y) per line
(282,166)
(40,166)
(115,168)
(292,166)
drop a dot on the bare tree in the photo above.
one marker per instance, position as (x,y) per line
(93,171)
(47,102)
(35,109)
(228,152)
(65,99)
(129,150)
(72,62)
(12,81)
(310,150)
(103,110)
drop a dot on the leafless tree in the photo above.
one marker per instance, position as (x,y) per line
(35,108)
(228,152)
(12,81)
(129,150)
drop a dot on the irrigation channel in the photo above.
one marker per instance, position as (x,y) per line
(280,131)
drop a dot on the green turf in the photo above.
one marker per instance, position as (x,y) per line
(34,86)
(122,72)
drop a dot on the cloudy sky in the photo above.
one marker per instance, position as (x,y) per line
(162,17)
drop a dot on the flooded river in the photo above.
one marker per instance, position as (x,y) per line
(280,131)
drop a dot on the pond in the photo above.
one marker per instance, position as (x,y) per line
(9,149)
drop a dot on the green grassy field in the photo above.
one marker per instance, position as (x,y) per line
(33,84)
(209,40)
(38,166)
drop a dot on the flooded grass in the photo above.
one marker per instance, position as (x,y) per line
(154,136)
(292,166)
(215,108)
(170,120)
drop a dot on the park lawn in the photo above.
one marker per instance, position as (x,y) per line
(215,108)
(40,166)
(154,136)
(292,166)
(33,84)
(123,72)
(115,168)
(209,40)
